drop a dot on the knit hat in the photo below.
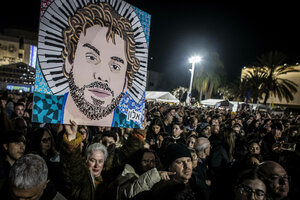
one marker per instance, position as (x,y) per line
(175,151)
(201,127)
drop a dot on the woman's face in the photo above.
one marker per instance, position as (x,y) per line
(156,129)
(176,130)
(191,142)
(45,142)
(254,148)
(83,132)
(95,163)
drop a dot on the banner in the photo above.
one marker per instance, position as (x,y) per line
(92,63)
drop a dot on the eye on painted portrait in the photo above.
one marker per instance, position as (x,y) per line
(92,63)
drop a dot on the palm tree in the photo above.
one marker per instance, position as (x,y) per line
(272,64)
(208,77)
(252,82)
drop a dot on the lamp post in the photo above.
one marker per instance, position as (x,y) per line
(193,60)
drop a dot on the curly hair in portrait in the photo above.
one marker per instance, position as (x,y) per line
(104,15)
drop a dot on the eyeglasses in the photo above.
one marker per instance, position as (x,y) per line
(46,140)
(248,191)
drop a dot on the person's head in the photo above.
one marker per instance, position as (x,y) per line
(214,121)
(109,138)
(249,186)
(215,129)
(19,123)
(204,129)
(156,125)
(144,160)
(83,130)
(178,159)
(42,141)
(230,138)
(177,129)
(236,128)
(160,138)
(277,129)
(148,160)
(254,148)
(101,43)
(190,141)
(168,119)
(276,179)
(14,145)
(28,177)
(202,147)
(96,155)
(19,109)
(193,122)
(194,158)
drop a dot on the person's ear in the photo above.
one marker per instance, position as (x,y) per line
(206,151)
(5,146)
(44,187)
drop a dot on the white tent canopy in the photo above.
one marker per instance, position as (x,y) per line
(161,96)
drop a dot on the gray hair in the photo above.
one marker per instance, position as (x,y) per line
(96,147)
(201,144)
(28,172)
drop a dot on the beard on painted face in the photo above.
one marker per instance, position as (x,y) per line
(95,110)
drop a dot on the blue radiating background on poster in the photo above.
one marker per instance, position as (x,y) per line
(47,107)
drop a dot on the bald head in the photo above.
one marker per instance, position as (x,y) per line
(276,179)
(202,147)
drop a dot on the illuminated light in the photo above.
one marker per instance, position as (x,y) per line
(195,59)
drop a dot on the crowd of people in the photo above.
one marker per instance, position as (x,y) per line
(184,152)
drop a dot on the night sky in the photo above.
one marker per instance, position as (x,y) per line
(238,32)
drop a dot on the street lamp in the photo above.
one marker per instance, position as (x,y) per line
(193,60)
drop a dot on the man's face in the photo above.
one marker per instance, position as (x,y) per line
(15,149)
(277,180)
(19,110)
(34,193)
(215,129)
(207,131)
(148,161)
(95,163)
(98,73)
(183,168)
(250,189)
(214,122)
